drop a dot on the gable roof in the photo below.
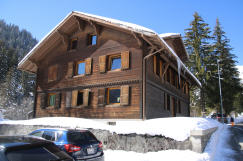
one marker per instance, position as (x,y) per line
(28,65)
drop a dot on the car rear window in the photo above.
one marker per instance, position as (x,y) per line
(80,137)
(41,153)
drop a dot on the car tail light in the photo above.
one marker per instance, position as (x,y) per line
(100,145)
(71,148)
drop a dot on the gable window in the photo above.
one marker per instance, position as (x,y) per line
(80,68)
(51,99)
(114,62)
(73,44)
(113,95)
(92,39)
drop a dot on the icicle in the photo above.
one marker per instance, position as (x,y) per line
(179,70)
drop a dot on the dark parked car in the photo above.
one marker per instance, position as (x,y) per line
(27,148)
(80,144)
(218,116)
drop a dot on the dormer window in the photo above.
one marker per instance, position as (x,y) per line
(92,39)
(73,44)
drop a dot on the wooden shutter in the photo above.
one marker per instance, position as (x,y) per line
(102,63)
(52,73)
(70,70)
(74,98)
(58,100)
(124,95)
(88,66)
(68,99)
(43,100)
(125,60)
(86,97)
(101,96)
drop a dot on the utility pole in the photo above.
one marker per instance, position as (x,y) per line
(220,93)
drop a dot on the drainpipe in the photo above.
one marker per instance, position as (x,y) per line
(144,79)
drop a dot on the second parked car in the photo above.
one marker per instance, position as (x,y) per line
(80,144)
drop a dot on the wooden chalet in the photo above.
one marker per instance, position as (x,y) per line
(95,67)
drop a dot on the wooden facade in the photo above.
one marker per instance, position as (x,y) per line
(75,76)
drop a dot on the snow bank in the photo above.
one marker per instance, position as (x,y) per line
(239,119)
(177,128)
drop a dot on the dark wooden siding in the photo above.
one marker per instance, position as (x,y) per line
(109,42)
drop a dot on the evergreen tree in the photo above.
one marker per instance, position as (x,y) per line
(230,82)
(197,39)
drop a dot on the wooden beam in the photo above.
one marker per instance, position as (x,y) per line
(151,44)
(81,24)
(98,29)
(64,36)
(138,40)
(166,67)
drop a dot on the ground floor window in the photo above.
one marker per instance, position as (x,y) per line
(168,102)
(113,95)
(51,99)
(80,99)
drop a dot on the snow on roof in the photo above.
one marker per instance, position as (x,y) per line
(123,24)
(169,35)
(177,128)
(118,23)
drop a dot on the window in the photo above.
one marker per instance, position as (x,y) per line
(51,99)
(179,106)
(92,39)
(113,95)
(80,68)
(168,102)
(80,99)
(74,44)
(114,62)
(52,73)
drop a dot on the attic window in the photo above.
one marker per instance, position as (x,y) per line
(74,44)
(92,39)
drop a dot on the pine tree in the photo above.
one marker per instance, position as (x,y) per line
(197,39)
(229,73)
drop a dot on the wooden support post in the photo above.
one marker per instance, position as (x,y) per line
(166,67)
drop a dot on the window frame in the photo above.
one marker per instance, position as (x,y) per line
(48,99)
(108,96)
(77,67)
(110,58)
(90,39)
(71,44)
(80,91)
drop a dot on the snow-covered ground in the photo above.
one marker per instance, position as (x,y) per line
(177,128)
(239,119)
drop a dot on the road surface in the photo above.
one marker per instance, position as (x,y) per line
(236,141)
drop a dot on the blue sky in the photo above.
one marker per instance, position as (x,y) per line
(162,16)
